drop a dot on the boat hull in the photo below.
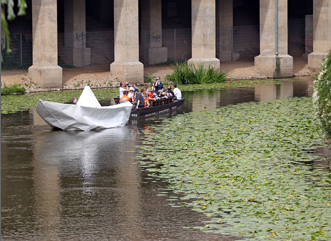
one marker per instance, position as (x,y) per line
(156,110)
(70,117)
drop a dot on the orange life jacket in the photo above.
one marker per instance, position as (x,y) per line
(146,102)
(124,99)
(151,94)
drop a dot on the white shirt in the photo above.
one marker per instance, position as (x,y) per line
(121,91)
(130,95)
(178,93)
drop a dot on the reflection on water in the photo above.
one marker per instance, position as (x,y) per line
(211,99)
(83,186)
(273,92)
(59,185)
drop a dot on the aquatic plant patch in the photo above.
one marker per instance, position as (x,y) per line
(186,73)
(247,167)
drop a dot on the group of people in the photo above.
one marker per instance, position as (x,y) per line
(144,97)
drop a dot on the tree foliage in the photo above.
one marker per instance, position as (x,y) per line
(322,96)
(8,13)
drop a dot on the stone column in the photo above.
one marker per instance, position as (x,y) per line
(269,62)
(75,32)
(45,70)
(225,31)
(308,35)
(204,33)
(127,66)
(322,33)
(152,31)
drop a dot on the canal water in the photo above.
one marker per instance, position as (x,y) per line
(59,185)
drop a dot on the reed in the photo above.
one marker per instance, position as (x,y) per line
(185,73)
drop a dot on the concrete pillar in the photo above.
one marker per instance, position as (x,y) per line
(225,31)
(204,33)
(45,70)
(127,66)
(269,62)
(322,33)
(308,35)
(151,25)
(75,32)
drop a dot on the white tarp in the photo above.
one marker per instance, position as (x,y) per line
(84,116)
(87,98)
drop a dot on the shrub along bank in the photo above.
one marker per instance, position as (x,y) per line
(322,97)
(247,167)
(12,89)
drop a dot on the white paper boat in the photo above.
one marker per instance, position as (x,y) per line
(87,115)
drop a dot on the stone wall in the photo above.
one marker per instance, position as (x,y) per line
(101,44)
(182,49)
(246,41)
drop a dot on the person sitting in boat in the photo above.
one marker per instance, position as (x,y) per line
(157,85)
(151,94)
(161,97)
(74,101)
(177,92)
(164,93)
(170,92)
(125,97)
(139,100)
(123,87)
(131,93)
(147,103)
(135,88)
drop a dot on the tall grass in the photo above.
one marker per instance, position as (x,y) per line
(186,73)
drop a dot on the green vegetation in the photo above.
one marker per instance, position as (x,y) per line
(149,79)
(186,73)
(12,89)
(223,85)
(7,13)
(322,97)
(248,167)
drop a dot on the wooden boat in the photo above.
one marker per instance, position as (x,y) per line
(157,107)
(86,115)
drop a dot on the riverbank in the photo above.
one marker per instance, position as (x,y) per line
(248,167)
(100,76)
